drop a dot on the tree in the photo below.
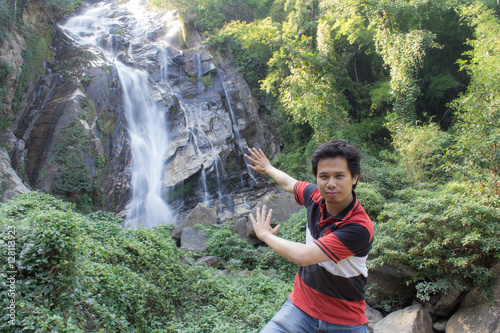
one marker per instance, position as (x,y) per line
(478,110)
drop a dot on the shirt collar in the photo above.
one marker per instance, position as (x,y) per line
(343,215)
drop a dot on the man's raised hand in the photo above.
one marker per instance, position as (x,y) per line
(258,159)
(262,223)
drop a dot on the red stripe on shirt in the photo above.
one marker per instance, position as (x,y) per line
(333,247)
(326,308)
(299,192)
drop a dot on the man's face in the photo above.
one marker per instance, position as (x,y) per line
(335,183)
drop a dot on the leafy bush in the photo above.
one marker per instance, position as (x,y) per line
(225,244)
(293,229)
(422,151)
(5,71)
(371,200)
(73,179)
(478,109)
(86,273)
(447,236)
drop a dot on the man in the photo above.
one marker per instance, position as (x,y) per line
(328,293)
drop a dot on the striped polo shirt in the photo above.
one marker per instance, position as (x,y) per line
(333,291)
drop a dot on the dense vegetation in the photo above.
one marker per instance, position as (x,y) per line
(415,84)
(86,273)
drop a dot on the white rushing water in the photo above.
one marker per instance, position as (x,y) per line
(99,28)
(148,133)
(146,121)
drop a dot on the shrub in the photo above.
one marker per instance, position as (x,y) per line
(371,200)
(73,179)
(422,151)
(225,244)
(5,71)
(447,236)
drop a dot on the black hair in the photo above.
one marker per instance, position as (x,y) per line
(336,148)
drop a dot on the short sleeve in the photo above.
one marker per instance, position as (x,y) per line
(350,240)
(302,192)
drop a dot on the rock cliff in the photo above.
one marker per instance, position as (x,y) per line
(71,136)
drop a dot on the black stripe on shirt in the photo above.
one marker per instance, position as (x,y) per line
(318,278)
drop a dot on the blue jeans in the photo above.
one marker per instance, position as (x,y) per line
(291,319)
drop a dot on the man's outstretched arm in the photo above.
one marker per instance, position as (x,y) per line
(262,165)
(301,254)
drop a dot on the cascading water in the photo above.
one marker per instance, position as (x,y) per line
(237,131)
(117,32)
(148,132)
(147,125)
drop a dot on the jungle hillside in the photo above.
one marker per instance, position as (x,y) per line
(414,84)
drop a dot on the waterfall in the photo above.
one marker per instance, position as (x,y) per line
(146,123)
(148,133)
(118,33)
(236,131)
(195,127)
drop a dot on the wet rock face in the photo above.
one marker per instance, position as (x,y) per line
(72,135)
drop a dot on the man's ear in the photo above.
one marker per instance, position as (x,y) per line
(355,180)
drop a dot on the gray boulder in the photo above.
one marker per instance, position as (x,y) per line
(192,239)
(212,261)
(413,319)
(448,302)
(201,214)
(283,205)
(10,183)
(476,314)
(373,317)
(388,282)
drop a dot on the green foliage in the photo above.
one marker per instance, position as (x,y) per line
(240,255)
(5,71)
(293,229)
(372,201)
(380,95)
(441,85)
(86,273)
(59,8)
(249,46)
(210,15)
(73,179)
(225,244)
(208,79)
(295,138)
(447,236)
(423,151)
(403,52)
(37,52)
(234,302)
(7,19)
(478,110)
(371,135)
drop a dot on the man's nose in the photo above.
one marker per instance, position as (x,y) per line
(331,182)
